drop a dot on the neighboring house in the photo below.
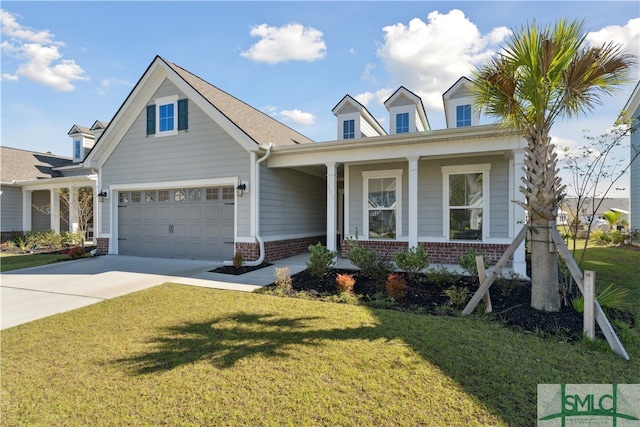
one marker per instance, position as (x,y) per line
(633,109)
(29,184)
(595,208)
(191,171)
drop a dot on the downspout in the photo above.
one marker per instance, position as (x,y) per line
(256,189)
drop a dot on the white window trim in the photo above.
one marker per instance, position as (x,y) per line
(393,173)
(173,99)
(483,168)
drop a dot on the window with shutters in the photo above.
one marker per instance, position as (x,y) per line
(167,116)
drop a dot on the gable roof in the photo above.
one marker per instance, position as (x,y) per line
(403,91)
(23,165)
(260,127)
(348,100)
(249,126)
(79,129)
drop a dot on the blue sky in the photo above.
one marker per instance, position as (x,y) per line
(66,63)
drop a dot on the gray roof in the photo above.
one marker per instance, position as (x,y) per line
(22,165)
(260,127)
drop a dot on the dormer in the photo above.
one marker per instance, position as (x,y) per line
(406,112)
(83,141)
(355,121)
(97,128)
(458,105)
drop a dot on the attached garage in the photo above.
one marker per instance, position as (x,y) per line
(193,223)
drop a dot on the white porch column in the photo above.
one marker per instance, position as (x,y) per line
(332,209)
(54,215)
(516,213)
(413,201)
(26,209)
(73,209)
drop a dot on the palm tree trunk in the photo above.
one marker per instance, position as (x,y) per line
(545,292)
(542,190)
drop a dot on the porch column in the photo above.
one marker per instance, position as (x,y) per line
(54,215)
(332,197)
(73,209)
(517,213)
(413,201)
(26,209)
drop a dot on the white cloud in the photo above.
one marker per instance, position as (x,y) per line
(107,84)
(39,56)
(628,36)
(378,97)
(292,42)
(298,117)
(368,73)
(428,57)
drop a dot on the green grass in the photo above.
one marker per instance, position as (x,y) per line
(180,355)
(10,262)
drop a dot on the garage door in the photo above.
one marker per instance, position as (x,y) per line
(194,223)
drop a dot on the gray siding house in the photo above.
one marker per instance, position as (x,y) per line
(187,170)
(633,109)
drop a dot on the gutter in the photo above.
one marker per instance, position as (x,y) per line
(256,189)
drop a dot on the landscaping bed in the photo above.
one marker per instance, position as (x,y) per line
(425,293)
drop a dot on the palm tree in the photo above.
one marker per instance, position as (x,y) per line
(543,74)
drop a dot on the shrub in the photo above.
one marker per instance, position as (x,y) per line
(321,259)
(458,295)
(412,261)
(441,276)
(508,283)
(609,298)
(396,286)
(366,260)
(283,279)
(345,283)
(600,237)
(238,260)
(468,261)
(360,256)
(76,252)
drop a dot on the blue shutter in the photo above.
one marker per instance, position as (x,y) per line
(151,119)
(183,114)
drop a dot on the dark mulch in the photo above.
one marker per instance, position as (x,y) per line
(230,269)
(510,301)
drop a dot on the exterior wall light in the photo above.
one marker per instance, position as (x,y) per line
(240,189)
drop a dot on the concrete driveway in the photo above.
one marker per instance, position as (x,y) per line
(38,292)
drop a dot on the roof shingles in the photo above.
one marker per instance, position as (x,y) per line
(23,165)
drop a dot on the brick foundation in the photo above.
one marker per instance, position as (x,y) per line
(10,235)
(102,245)
(439,252)
(278,249)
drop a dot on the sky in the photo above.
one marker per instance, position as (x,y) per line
(75,62)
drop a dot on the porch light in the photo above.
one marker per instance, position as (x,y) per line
(102,195)
(240,189)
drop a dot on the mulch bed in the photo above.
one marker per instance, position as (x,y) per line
(511,304)
(235,271)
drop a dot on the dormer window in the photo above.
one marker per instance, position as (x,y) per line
(463,115)
(349,129)
(77,149)
(402,123)
(167,116)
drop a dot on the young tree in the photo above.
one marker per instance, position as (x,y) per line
(595,169)
(540,75)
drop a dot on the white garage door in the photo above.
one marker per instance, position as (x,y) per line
(194,223)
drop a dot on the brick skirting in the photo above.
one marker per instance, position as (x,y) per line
(439,252)
(278,249)
(10,235)
(102,245)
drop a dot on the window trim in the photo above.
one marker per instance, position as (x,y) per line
(389,173)
(344,133)
(484,169)
(77,149)
(408,125)
(166,100)
(464,119)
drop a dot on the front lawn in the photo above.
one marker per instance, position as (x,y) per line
(10,262)
(180,355)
